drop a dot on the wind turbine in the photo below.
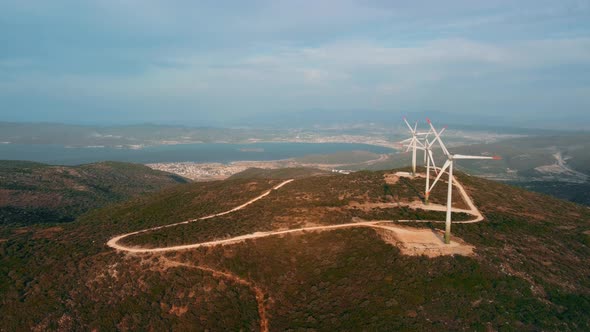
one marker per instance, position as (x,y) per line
(413,143)
(426,146)
(449,164)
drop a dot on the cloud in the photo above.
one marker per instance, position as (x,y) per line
(351,63)
(274,55)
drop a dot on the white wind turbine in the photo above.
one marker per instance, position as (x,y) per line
(426,146)
(449,164)
(413,143)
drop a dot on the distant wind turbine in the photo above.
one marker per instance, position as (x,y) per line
(449,164)
(413,143)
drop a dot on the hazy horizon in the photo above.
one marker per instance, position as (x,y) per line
(243,63)
(333,119)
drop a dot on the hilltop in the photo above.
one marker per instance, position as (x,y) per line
(39,193)
(527,270)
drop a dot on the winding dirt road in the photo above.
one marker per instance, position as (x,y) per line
(258,293)
(113,242)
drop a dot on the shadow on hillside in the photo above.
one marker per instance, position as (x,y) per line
(413,188)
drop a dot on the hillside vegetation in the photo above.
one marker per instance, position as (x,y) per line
(529,272)
(39,193)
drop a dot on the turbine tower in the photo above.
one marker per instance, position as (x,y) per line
(413,143)
(449,164)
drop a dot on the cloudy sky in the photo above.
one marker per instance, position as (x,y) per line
(212,62)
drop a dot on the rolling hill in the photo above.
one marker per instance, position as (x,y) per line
(526,270)
(39,193)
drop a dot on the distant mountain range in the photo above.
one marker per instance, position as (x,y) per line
(282,127)
(475,120)
(128,135)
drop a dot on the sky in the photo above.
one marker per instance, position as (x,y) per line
(221,62)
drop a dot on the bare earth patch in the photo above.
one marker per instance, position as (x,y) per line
(21,230)
(371,206)
(391,178)
(419,241)
(178,311)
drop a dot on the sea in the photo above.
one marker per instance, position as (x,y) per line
(198,152)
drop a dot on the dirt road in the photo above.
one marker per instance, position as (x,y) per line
(113,243)
(410,240)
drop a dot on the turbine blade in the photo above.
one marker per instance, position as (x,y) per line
(409,127)
(439,134)
(427,134)
(432,161)
(419,143)
(411,144)
(462,156)
(442,170)
(442,145)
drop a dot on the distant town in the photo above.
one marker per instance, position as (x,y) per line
(220,171)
